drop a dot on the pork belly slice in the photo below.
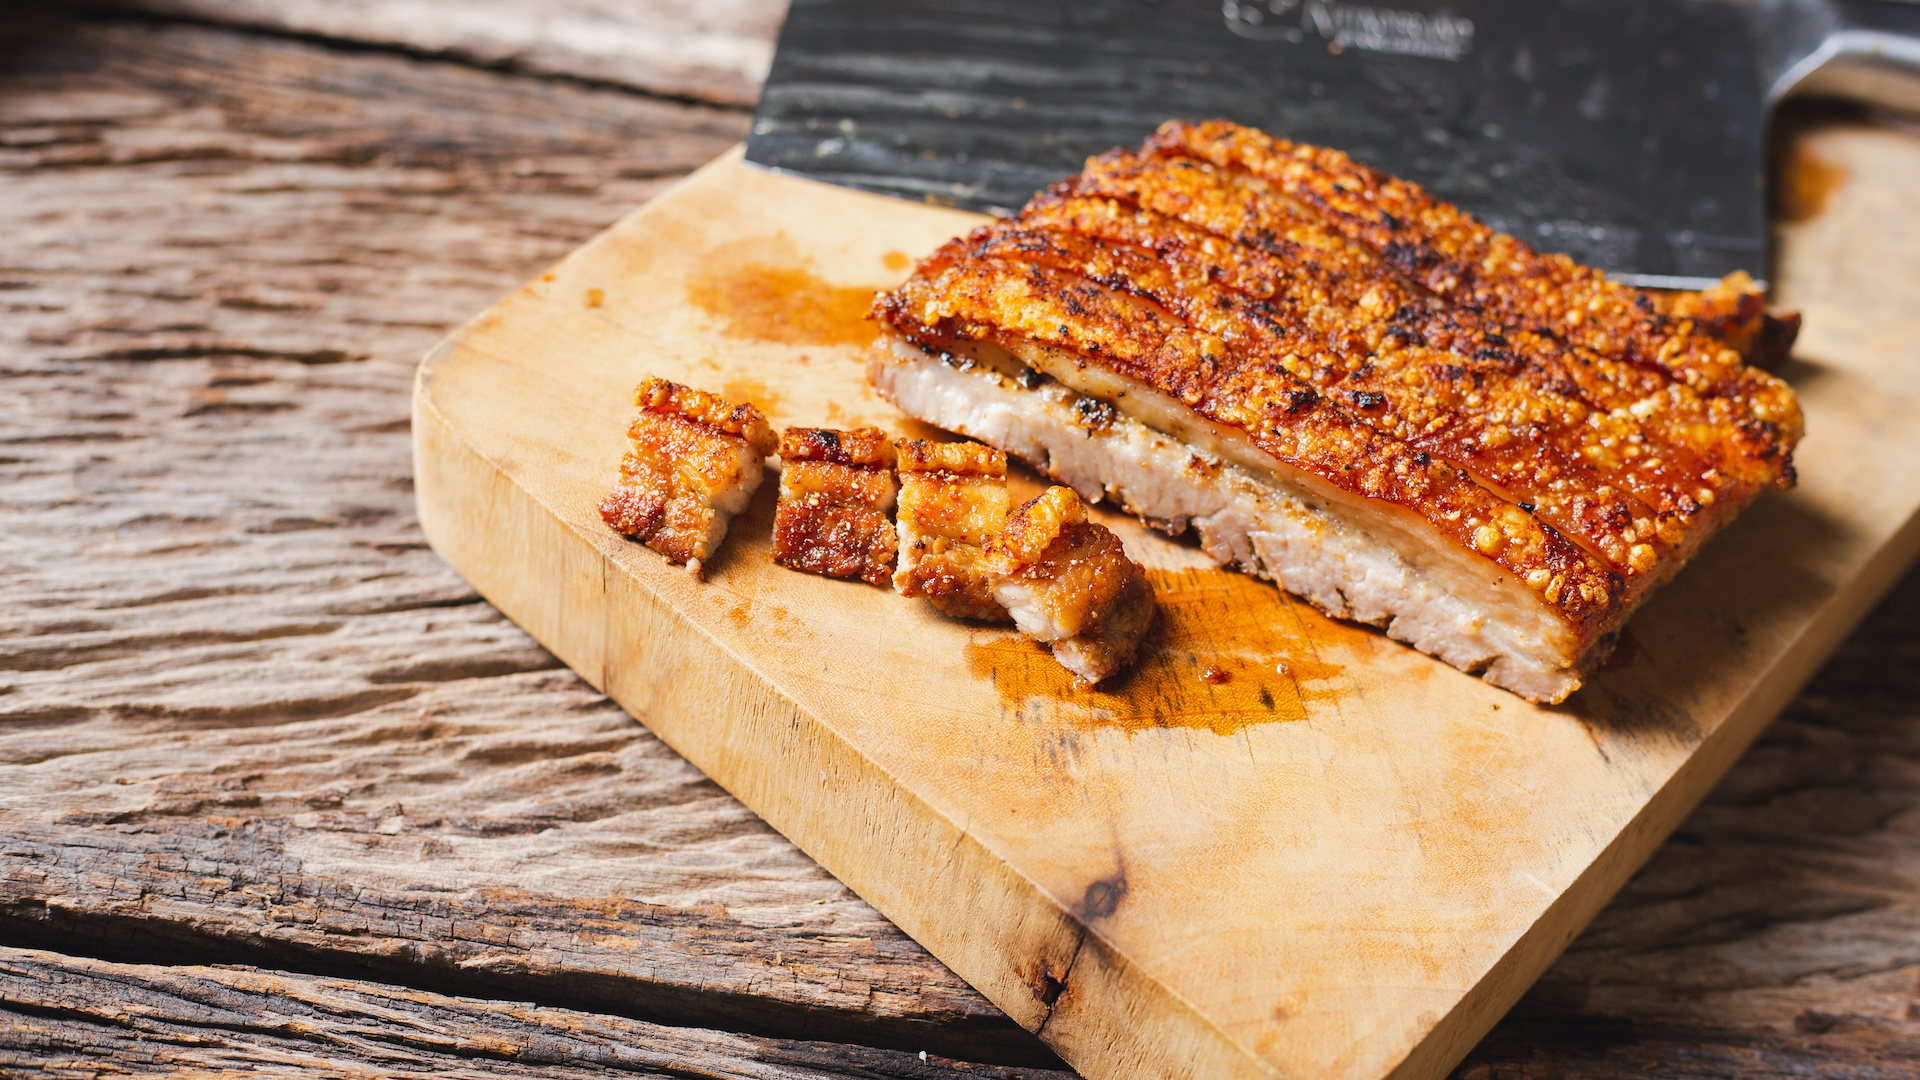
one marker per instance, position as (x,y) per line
(1067,582)
(695,462)
(1406,418)
(953,497)
(1351,557)
(835,490)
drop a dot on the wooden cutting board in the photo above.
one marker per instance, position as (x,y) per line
(1345,862)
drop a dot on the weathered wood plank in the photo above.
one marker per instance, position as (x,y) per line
(715,51)
(533,866)
(222,641)
(192,214)
(225,253)
(67,1017)
(1597,1048)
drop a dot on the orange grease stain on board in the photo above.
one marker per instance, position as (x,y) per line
(1805,184)
(785,303)
(1226,651)
(749,392)
(896,261)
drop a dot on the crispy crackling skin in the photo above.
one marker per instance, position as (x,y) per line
(835,490)
(1448,251)
(953,497)
(695,461)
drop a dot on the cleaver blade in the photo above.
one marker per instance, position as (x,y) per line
(1629,134)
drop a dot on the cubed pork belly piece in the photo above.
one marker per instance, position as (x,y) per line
(1403,417)
(835,490)
(953,497)
(695,462)
(1067,581)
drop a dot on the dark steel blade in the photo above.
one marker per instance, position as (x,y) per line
(1626,133)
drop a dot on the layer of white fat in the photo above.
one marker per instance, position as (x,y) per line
(1089,655)
(885,505)
(1351,557)
(1027,605)
(749,467)
(908,559)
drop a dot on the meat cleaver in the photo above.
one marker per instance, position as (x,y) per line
(1629,134)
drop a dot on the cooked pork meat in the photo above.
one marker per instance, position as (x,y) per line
(1246,516)
(953,497)
(1066,581)
(835,490)
(1404,417)
(695,462)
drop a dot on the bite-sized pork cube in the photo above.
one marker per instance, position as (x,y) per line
(695,462)
(953,497)
(835,490)
(1068,582)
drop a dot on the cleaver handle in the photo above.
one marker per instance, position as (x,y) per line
(1865,50)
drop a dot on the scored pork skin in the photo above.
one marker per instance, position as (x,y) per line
(1695,337)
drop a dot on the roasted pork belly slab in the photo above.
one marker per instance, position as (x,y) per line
(835,490)
(953,498)
(1404,417)
(1067,581)
(695,462)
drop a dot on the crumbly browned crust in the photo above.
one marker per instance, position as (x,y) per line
(953,498)
(1220,204)
(1450,252)
(835,490)
(1068,582)
(696,460)
(1582,437)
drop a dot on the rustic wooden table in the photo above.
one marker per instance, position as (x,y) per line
(277,790)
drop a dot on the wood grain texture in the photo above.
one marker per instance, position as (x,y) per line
(1158,878)
(221,637)
(191,211)
(716,50)
(450,844)
(1775,933)
(63,1016)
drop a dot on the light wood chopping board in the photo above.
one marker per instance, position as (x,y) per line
(1346,861)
